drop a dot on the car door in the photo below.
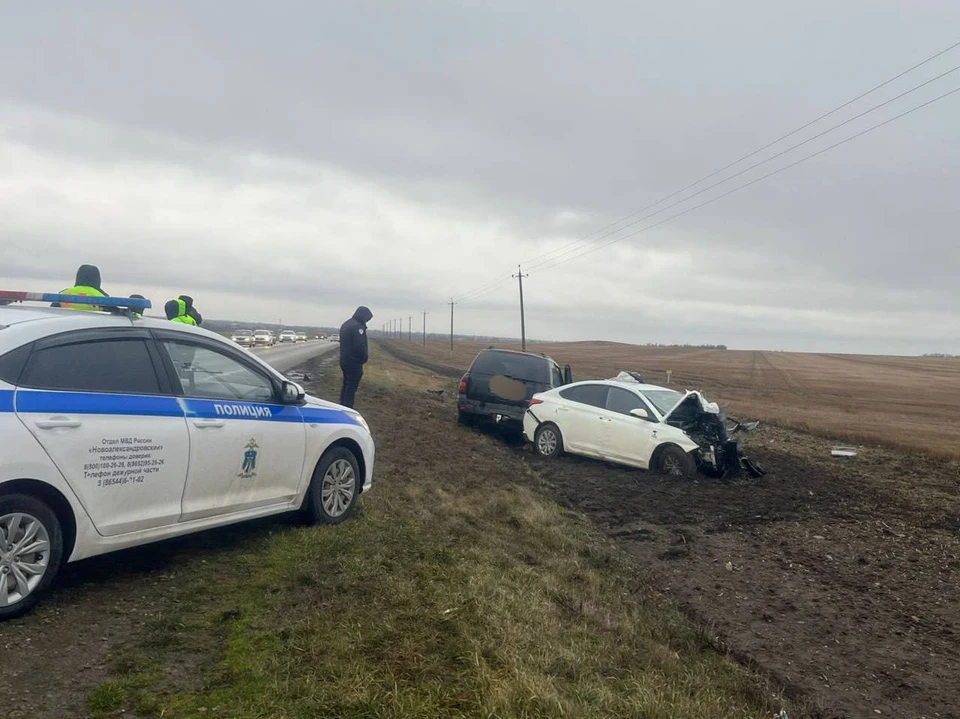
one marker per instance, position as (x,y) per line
(627,438)
(581,417)
(246,448)
(100,404)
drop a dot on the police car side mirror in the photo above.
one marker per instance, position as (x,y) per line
(291,393)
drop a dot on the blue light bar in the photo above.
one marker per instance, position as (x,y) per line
(131,303)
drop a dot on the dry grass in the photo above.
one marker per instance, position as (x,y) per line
(908,403)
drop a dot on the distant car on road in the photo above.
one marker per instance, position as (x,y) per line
(244,338)
(334,338)
(119,431)
(636,424)
(301,336)
(500,384)
(263,338)
(287,336)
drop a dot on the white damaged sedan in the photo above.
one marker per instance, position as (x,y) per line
(628,422)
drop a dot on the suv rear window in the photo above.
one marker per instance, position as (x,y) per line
(517,366)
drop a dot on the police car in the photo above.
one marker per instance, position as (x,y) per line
(117,430)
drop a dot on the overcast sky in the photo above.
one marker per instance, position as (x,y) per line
(295,159)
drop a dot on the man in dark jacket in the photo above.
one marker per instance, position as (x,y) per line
(191,310)
(353,353)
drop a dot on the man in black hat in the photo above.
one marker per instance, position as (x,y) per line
(353,353)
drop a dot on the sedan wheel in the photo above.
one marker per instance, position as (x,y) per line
(24,556)
(676,463)
(30,549)
(548,442)
(338,488)
(335,487)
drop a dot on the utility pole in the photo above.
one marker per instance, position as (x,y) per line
(452,303)
(410,328)
(523,325)
(425,313)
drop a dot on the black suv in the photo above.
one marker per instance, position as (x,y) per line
(500,383)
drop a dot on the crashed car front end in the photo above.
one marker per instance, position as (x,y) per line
(719,453)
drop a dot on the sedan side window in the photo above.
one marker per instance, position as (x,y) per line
(209,374)
(122,366)
(622,402)
(594,395)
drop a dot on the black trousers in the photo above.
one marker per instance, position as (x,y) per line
(351,380)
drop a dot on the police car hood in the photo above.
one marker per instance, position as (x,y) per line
(324,404)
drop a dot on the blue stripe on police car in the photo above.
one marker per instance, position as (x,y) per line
(40,401)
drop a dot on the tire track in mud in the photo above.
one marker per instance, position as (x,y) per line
(787,381)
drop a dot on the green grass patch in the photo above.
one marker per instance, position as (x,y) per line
(454,592)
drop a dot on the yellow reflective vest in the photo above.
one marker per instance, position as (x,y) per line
(84,291)
(183,317)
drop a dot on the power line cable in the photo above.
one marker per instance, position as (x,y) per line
(531,261)
(754,181)
(491,286)
(751,167)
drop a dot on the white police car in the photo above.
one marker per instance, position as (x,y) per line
(117,431)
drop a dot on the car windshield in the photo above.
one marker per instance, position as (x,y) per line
(262,333)
(663,399)
(243,333)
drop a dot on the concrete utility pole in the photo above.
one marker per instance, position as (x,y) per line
(425,313)
(523,324)
(410,328)
(452,303)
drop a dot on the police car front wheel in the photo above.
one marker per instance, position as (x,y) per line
(31,546)
(335,487)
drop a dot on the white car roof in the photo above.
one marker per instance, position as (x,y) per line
(20,324)
(637,386)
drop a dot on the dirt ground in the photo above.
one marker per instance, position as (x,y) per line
(835,576)
(825,573)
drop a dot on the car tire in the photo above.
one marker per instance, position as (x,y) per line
(24,516)
(548,441)
(674,462)
(334,488)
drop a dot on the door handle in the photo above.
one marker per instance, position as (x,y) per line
(208,423)
(57,422)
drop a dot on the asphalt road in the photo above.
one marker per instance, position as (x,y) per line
(287,356)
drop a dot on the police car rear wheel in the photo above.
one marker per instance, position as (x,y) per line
(335,487)
(31,546)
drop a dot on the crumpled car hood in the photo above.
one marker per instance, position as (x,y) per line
(705,406)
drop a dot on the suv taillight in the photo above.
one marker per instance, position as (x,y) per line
(463,385)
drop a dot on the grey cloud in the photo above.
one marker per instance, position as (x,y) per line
(519,111)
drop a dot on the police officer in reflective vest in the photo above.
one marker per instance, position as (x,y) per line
(176,311)
(192,311)
(87,284)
